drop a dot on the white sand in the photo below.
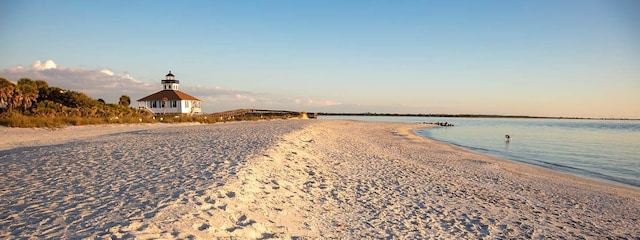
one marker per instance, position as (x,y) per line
(296,178)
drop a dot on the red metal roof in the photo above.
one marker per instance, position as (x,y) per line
(169,95)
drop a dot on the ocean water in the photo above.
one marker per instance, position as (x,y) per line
(606,150)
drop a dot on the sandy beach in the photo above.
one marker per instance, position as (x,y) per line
(288,179)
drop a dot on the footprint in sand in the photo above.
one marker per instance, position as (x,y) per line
(203,227)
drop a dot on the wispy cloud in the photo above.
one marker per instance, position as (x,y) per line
(315,102)
(109,85)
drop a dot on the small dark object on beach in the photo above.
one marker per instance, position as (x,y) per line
(444,124)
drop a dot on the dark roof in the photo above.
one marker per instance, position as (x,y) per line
(169,95)
(170,74)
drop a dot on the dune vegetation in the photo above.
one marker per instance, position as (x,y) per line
(32,103)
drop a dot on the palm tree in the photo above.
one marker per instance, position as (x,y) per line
(29,91)
(16,99)
(6,94)
(43,89)
(125,100)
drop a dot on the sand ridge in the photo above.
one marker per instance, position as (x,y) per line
(270,197)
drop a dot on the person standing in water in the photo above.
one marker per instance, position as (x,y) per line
(508,137)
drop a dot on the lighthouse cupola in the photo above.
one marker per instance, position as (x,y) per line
(170,82)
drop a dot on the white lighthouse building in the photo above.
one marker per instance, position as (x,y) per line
(170,100)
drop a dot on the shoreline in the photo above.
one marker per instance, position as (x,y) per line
(316,178)
(554,171)
(577,177)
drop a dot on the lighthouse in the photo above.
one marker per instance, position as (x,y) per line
(170,100)
(170,82)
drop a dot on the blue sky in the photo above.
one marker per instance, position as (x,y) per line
(546,58)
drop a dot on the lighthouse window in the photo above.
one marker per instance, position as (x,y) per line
(174,104)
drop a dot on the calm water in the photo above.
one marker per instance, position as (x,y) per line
(601,149)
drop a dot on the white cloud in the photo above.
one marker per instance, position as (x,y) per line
(107,71)
(110,85)
(48,64)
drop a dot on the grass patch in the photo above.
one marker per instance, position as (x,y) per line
(22,121)
(26,121)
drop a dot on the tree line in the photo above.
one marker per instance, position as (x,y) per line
(37,99)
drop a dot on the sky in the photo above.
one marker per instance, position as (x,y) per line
(569,58)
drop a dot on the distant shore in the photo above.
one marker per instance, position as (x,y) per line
(460,116)
(289,178)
